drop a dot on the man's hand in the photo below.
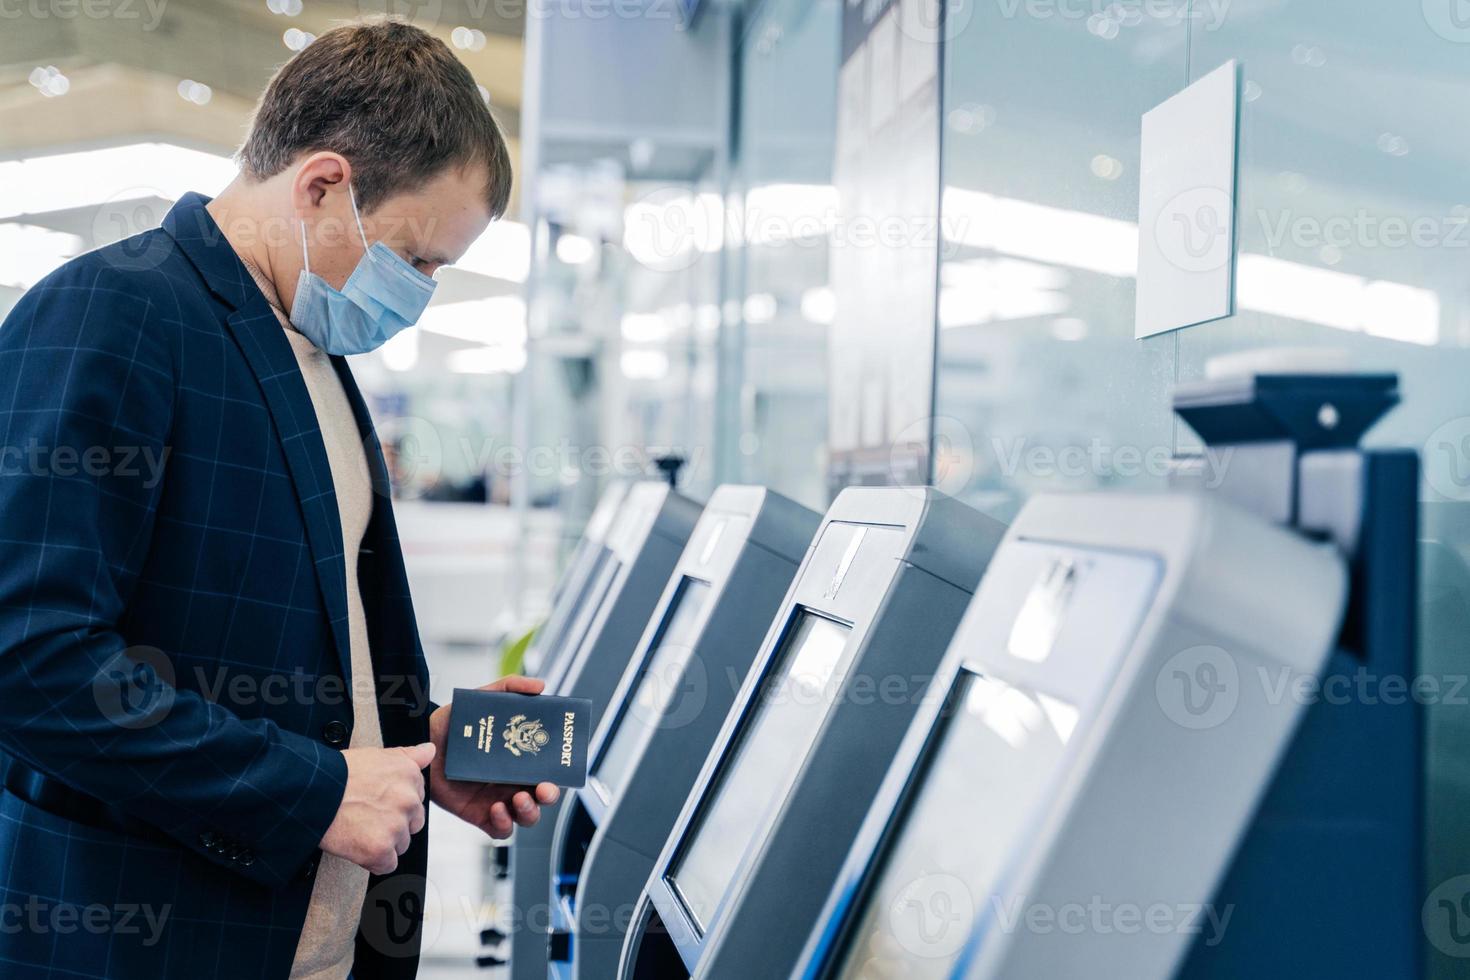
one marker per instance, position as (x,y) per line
(494,808)
(382,807)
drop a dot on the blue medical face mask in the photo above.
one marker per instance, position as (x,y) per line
(383,296)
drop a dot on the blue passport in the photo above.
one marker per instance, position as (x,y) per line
(519,739)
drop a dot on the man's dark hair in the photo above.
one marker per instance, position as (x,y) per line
(389,97)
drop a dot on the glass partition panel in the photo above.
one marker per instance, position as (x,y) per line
(1354,235)
(781,302)
(1041,384)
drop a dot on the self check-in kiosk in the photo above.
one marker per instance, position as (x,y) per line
(841,672)
(1118,720)
(660,722)
(573,590)
(644,541)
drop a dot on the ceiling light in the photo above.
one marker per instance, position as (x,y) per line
(644,365)
(502,252)
(488,360)
(115,174)
(501,319)
(574,249)
(297,39)
(33,252)
(195,92)
(646,328)
(819,305)
(401,352)
(49,81)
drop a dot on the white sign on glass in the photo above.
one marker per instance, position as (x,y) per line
(1186,206)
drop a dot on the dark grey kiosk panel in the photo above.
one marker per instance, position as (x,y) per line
(644,542)
(576,586)
(842,671)
(1073,765)
(663,718)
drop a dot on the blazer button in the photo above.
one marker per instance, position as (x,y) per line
(335,734)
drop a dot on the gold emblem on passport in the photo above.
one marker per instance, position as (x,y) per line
(525,736)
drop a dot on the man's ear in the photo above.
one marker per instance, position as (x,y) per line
(319,174)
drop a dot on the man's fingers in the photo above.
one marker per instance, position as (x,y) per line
(417,821)
(500,823)
(526,812)
(516,684)
(547,794)
(421,754)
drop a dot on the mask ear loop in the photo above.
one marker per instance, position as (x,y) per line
(351,196)
(305,252)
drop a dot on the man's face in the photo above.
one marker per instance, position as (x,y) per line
(429,227)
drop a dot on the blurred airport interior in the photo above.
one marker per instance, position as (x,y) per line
(793,256)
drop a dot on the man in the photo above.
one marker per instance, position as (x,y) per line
(213,710)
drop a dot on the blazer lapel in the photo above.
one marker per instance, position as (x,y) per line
(268,353)
(396,647)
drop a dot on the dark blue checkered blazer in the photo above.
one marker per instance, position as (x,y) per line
(173,619)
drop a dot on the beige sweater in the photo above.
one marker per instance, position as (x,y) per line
(327,939)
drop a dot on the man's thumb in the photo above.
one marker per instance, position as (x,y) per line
(421,754)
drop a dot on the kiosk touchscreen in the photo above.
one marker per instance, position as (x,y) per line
(644,541)
(1069,806)
(585,568)
(661,720)
(843,668)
